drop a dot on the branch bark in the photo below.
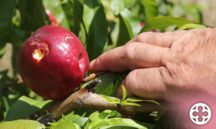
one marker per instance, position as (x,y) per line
(85,99)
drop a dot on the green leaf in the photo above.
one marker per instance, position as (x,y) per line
(124,93)
(128,3)
(107,123)
(107,81)
(66,124)
(33,15)
(6,13)
(111,100)
(84,85)
(134,99)
(192,26)
(24,107)
(6,105)
(115,89)
(117,6)
(77,14)
(93,115)
(133,21)
(56,8)
(108,91)
(128,103)
(2,51)
(125,31)
(163,22)
(83,34)
(21,124)
(151,8)
(96,26)
(81,121)
(68,14)
(63,117)
(71,116)
(102,116)
(115,114)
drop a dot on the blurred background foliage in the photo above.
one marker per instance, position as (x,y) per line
(100,25)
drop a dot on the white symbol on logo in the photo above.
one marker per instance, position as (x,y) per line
(200,113)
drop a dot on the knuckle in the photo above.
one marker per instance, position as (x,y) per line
(100,58)
(144,37)
(201,32)
(129,51)
(178,72)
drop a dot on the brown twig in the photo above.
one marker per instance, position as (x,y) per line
(93,76)
(84,99)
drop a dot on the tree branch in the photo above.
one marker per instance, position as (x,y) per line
(85,99)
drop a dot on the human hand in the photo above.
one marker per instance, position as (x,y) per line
(172,66)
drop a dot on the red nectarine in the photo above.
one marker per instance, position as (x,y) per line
(52,62)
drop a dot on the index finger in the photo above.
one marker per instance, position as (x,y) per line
(129,57)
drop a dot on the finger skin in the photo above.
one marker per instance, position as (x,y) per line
(129,57)
(158,39)
(145,83)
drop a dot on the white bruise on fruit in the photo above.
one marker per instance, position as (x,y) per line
(38,54)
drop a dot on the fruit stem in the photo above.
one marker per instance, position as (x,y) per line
(93,76)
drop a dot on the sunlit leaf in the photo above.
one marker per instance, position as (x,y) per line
(192,26)
(133,21)
(117,6)
(118,122)
(56,8)
(21,124)
(124,93)
(71,117)
(24,107)
(135,99)
(125,31)
(111,100)
(151,8)
(102,116)
(81,121)
(129,103)
(96,26)
(2,51)
(115,114)
(129,3)
(66,124)
(163,22)
(93,115)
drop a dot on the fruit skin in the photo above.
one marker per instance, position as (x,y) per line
(63,66)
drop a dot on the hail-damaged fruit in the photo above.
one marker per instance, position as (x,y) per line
(52,62)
